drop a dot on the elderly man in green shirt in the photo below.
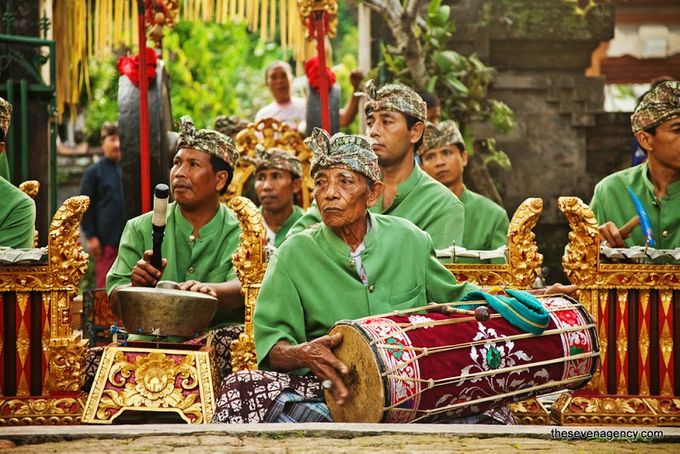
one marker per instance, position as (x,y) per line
(201,234)
(354,264)
(396,118)
(443,157)
(17,210)
(277,180)
(656,125)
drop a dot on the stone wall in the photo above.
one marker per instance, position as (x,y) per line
(564,142)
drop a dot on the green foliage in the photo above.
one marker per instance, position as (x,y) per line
(460,82)
(216,70)
(103,100)
(553,18)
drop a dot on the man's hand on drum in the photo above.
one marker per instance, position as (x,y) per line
(195,286)
(144,274)
(611,234)
(318,357)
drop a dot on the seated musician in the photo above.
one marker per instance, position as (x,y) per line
(17,210)
(277,180)
(353,264)
(201,234)
(443,157)
(656,183)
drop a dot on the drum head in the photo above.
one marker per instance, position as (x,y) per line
(366,392)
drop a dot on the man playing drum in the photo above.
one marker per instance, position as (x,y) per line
(656,125)
(201,234)
(354,264)
(277,180)
(395,117)
(443,157)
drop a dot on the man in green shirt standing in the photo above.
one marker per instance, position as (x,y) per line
(396,118)
(656,125)
(354,264)
(17,210)
(443,157)
(201,234)
(277,180)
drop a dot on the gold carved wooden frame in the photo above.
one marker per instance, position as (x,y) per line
(250,261)
(582,265)
(269,133)
(57,282)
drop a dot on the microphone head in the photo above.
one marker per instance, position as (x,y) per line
(162,191)
(160,204)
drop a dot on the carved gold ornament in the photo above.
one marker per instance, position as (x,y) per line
(308,7)
(54,284)
(152,380)
(269,133)
(250,262)
(40,411)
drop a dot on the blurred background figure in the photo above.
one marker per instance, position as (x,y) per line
(104,220)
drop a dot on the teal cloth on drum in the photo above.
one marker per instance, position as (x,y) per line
(521,309)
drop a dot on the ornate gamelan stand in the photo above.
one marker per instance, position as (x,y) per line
(42,363)
(522,269)
(636,308)
(181,378)
(174,378)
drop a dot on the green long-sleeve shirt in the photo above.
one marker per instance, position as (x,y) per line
(283,230)
(486,225)
(423,201)
(17,217)
(206,259)
(611,202)
(311,281)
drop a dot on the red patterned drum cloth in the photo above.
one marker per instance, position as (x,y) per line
(412,366)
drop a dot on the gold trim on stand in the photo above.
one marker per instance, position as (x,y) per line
(41,411)
(597,282)
(63,353)
(250,261)
(143,379)
(530,412)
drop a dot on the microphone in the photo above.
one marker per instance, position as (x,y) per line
(160,210)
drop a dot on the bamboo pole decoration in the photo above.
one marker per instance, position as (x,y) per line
(318,15)
(144,158)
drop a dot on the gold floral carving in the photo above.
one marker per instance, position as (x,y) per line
(530,412)
(575,409)
(41,411)
(524,260)
(269,133)
(30,188)
(250,262)
(167,381)
(308,7)
(66,365)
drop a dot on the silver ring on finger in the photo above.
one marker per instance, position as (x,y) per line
(326,384)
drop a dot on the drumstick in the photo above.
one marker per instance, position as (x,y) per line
(629,226)
(481,314)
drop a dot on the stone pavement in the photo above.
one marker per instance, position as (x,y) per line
(340,438)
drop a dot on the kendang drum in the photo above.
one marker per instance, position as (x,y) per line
(411,366)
